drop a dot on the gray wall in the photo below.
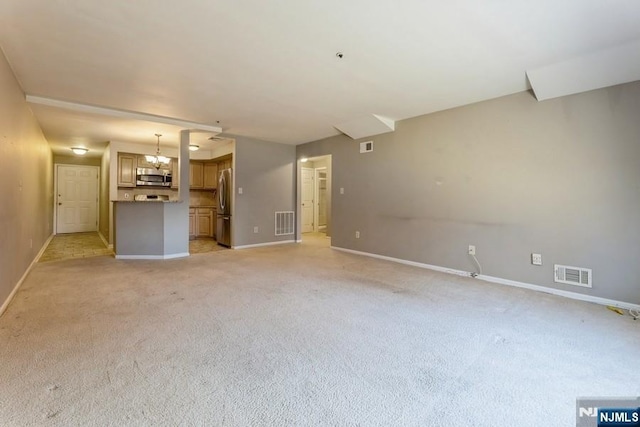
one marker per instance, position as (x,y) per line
(266,173)
(510,175)
(26,184)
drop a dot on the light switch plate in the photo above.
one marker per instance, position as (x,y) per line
(536,259)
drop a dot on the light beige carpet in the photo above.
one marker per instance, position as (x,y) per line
(299,335)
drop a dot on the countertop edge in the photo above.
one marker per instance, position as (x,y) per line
(147,201)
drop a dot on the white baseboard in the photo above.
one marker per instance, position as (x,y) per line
(498,280)
(160,257)
(105,241)
(24,275)
(258,245)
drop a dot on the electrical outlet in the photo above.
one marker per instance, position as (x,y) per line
(126,195)
(357,234)
(255,229)
(31,243)
(472,250)
(536,259)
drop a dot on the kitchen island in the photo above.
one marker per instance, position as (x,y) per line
(150,229)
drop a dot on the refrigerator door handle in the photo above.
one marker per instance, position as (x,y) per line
(221,192)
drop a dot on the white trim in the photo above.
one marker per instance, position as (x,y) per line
(24,275)
(104,240)
(316,196)
(313,195)
(498,280)
(258,245)
(160,257)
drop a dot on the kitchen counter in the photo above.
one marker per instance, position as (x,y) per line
(151,229)
(147,201)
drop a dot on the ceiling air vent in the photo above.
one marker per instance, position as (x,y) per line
(572,275)
(366,147)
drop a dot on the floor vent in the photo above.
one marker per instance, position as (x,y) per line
(284,223)
(572,275)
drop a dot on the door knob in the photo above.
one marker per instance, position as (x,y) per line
(60,203)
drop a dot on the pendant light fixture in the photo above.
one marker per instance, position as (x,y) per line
(157,160)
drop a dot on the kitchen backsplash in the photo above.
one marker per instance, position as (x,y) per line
(196,198)
(132,192)
(202,198)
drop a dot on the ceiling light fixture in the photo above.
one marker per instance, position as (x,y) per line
(304,160)
(80,151)
(157,160)
(194,147)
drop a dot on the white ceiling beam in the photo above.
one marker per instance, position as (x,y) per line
(366,126)
(597,70)
(113,112)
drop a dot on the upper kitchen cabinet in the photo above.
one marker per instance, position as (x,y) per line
(210,175)
(196,175)
(225,164)
(203,174)
(175,174)
(127,169)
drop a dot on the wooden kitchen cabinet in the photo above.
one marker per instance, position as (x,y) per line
(196,175)
(201,222)
(175,174)
(127,169)
(210,175)
(224,164)
(192,223)
(204,222)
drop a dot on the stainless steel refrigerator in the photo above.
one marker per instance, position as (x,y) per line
(223,214)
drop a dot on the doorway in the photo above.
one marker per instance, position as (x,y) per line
(308,199)
(315,197)
(76,198)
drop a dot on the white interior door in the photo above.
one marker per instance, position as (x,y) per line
(307,199)
(320,215)
(77,201)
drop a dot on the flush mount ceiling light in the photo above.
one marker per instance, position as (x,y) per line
(304,160)
(80,151)
(157,160)
(194,147)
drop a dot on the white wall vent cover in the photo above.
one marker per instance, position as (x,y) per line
(284,223)
(366,147)
(572,275)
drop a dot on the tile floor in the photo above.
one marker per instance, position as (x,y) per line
(201,245)
(75,245)
(83,245)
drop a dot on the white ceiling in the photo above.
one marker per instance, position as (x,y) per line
(269,69)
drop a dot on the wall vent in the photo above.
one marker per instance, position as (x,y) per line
(366,147)
(572,275)
(284,223)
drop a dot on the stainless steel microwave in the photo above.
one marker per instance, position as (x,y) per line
(153,177)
